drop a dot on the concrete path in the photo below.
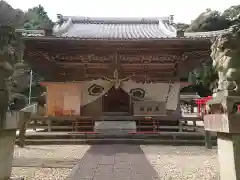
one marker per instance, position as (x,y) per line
(114,162)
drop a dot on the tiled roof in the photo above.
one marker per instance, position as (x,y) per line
(119,29)
(115,28)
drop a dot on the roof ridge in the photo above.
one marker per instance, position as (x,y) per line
(114,20)
(135,28)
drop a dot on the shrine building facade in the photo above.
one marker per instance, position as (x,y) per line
(109,66)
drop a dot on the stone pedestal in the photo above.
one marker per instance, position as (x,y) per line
(229,156)
(7,141)
(224,119)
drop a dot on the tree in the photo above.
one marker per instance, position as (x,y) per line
(181,26)
(232,13)
(210,20)
(10,16)
(204,79)
(37,18)
(10,47)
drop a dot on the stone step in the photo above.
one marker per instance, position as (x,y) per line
(114,126)
(115,135)
(113,141)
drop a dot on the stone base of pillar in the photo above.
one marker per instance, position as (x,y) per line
(229,155)
(7,142)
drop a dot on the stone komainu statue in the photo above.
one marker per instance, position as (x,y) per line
(226,60)
(5,72)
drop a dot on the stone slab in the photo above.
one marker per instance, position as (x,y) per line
(115,126)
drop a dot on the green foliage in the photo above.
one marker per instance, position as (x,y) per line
(37,18)
(34,18)
(232,13)
(10,16)
(210,20)
(10,45)
(8,41)
(204,79)
(181,26)
(10,19)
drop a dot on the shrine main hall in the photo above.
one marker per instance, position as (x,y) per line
(115,68)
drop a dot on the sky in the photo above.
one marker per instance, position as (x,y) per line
(183,10)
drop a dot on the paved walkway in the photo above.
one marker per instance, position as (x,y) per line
(116,162)
(127,162)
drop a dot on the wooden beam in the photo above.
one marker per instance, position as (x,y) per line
(137,79)
(105,65)
(179,43)
(149,71)
(147,65)
(112,50)
(84,64)
(156,79)
(156,42)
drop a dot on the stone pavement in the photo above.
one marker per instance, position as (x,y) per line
(114,162)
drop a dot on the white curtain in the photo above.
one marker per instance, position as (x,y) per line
(86,97)
(156,92)
(72,102)
(173,98)
(153,91)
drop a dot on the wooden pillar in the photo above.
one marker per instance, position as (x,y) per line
(180,126)
(49,122)
(199,107)
(23,122)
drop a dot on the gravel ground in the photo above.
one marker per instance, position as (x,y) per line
(171,162)
(41,173)
(46,153)
(183,162)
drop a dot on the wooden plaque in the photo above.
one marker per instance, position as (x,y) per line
(149,108)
